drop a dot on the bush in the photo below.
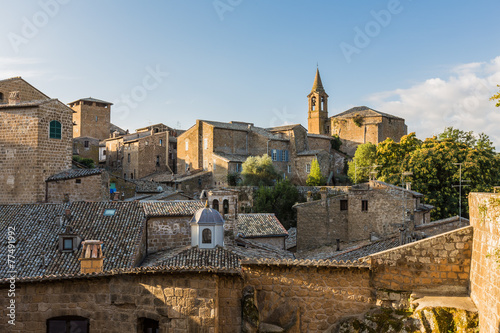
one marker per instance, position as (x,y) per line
(88,162)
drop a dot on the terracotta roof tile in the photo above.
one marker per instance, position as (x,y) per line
(260,225)
(75,173)
(171,208)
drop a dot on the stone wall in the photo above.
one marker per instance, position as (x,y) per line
(168,233)
(92,119)
(437,264)
(86,147)
(484,210)
(438,227)
(90,188)
(26,91)
(308,299)
(180,302)
(188,156)
(152,154)
(27,155)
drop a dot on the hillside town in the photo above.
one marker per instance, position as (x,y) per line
(155,230)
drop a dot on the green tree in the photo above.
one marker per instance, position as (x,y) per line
(336,142)
(233,178)
(278,200)
(88,162)
(360,166)
(315,178)
(259,171)
(496,97)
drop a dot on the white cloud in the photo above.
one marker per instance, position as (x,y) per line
(460,100)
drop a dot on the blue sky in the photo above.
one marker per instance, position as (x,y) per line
(434,63)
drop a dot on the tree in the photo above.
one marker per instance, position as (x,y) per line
(233,178)
(278,200)
(259,171)
(364,158)
(497,97)
(88,162)
(336,142)
(315,178)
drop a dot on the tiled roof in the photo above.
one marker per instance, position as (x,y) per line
(217,258)
(147,186)
(283,128)
(291,240)
(363,111)
(259,225)
(307,262)
(90,99)
(366,250)
(231,157)
(114,128)
(171,208)
(246,127)
(37,232)
(75,173)
(29,103)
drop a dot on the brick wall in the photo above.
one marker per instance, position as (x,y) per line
(319,296)
(90,188)
(27,155)
(484,210)
(440,263)
(168,233)
(181,302)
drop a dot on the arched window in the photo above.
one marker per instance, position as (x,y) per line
(146,325)
(206,236)
(1,97)
(67,324)
(55,129)
(215,204)
(225,206)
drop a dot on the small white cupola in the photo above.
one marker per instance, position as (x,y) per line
(207,229)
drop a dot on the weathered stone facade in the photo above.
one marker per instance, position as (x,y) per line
(86,147)
(88,188)
(485,269)
(370,210)
(137,155)
(91,118)
(28,154)
(222,148)
(362,125)
(167,232)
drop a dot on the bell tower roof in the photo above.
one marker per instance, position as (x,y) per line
(317,85)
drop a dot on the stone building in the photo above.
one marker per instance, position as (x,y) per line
(355,126)
(368,211)
(35,141)
(150,150)
(87,147)
(221,148)
(91,118)
(78,185)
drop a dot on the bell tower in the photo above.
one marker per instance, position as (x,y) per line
(317,120)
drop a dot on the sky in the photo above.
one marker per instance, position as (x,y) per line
(434,63)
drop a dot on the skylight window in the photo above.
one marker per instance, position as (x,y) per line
(109,212)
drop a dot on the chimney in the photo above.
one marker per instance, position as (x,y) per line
(408,186)
(309,196)
(14,98)
(91,260)
(323,192)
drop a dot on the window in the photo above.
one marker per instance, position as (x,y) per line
(157,160)
(187,166)
(215,205)
(96,118)
(280,155)
(206,236)
(131,176)
(215,164)
(274,155)
(285,155)
(156,130)
(146,325)
(308,168)
(128,158)
(161,142)
(147,143)
(67,244)
(55,129)
(1,97)
(86,143)
(205,143)
(343,204)
(104,152)
(67,324)
(109,212)
(289,168)
(78,181)
(239,168)
(187,145)
(225,206)
(364,205)
(205,165)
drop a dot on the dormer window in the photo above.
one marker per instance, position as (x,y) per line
(67,244)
